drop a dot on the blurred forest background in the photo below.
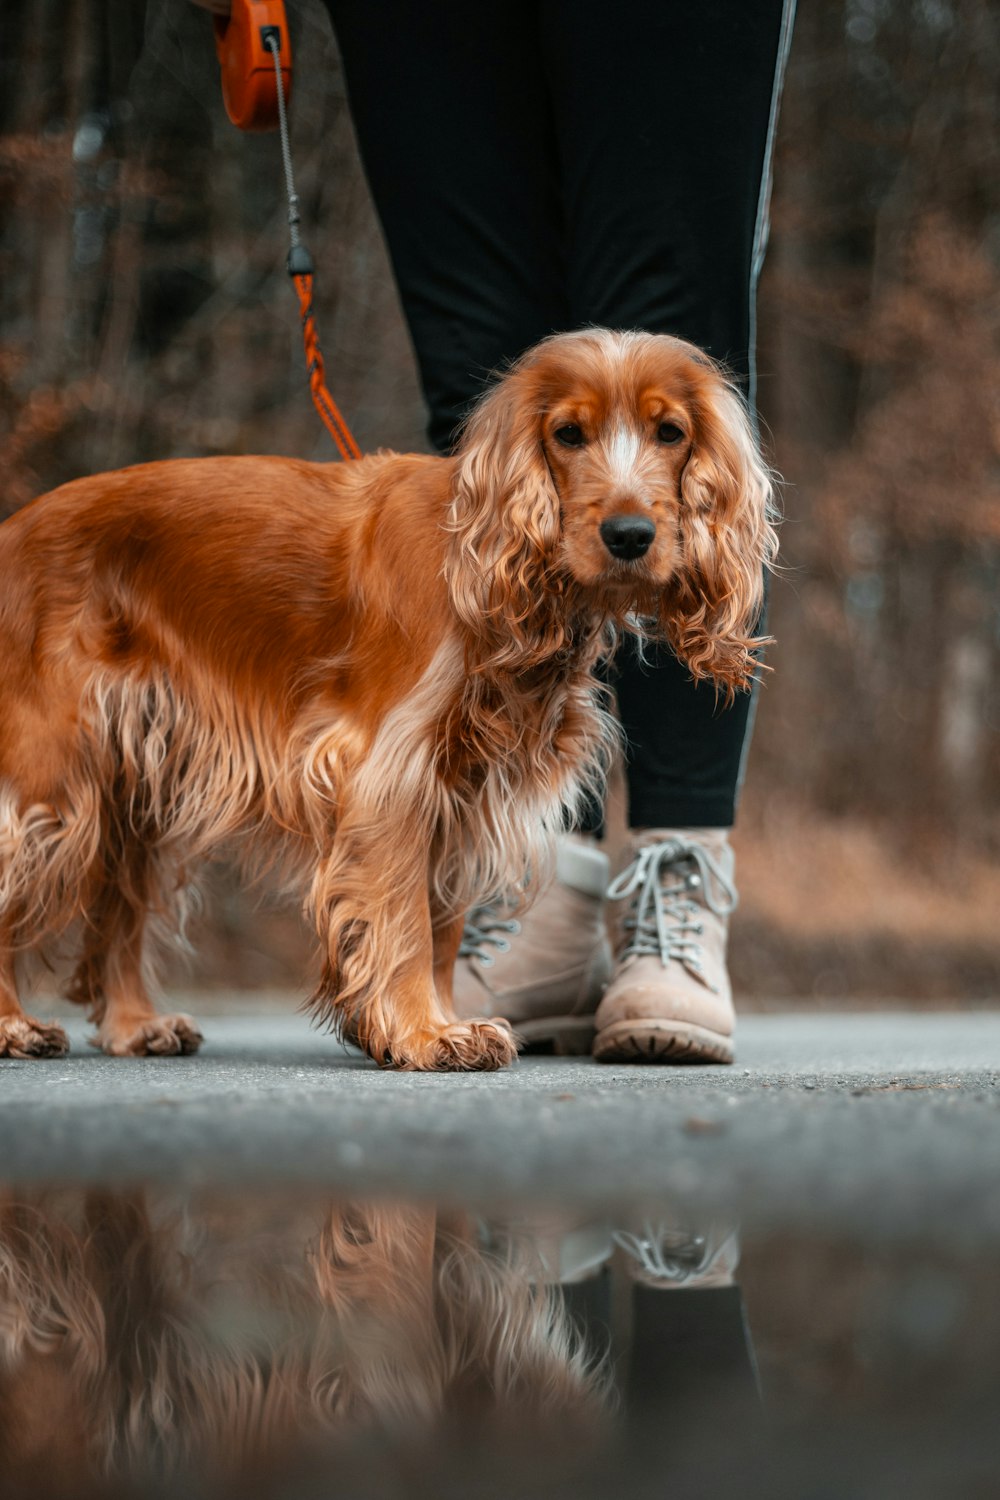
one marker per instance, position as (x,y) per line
(145,313)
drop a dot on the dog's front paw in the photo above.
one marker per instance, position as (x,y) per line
(466,1047)
(153,1036)
(23,1036)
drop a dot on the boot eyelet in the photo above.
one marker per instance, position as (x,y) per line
(502,945)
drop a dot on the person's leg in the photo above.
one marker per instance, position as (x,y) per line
(664,122)
(664,126)
(450,106)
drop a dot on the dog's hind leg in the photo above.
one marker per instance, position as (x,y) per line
(110,976)
(22,880)
(22,1035)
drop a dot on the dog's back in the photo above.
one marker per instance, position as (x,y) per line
(171,636)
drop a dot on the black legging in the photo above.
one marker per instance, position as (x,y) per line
(542,164)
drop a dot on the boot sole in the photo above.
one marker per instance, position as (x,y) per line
(556,1036)
(671,1042)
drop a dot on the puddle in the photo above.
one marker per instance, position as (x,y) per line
(286,1343)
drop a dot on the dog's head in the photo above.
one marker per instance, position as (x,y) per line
(620,468)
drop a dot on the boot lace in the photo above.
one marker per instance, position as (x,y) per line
(484,929)
(682,1255)
(662,882)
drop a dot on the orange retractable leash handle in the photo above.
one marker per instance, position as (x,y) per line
(249,87)
(255,55)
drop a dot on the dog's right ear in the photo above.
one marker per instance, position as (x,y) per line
(505,526)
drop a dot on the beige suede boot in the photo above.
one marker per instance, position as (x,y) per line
(669,999)
(544,972)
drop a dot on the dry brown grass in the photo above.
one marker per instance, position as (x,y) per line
(819,878)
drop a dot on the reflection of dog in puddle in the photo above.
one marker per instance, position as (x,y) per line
(132,1344)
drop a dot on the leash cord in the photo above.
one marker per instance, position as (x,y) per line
(301,270)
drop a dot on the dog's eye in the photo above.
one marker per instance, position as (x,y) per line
(667,432)
(571,436)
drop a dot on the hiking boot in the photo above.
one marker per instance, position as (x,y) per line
(545,971)
(669,999)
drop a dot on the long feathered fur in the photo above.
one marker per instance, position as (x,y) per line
(376,680)
(358,1320)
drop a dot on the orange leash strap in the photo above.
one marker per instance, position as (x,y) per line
(326,406)
(301,270)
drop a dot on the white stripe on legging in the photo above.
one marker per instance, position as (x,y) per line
(760,235)
(763,221)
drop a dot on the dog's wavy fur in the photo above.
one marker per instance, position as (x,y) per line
(121,1357)
(377,678)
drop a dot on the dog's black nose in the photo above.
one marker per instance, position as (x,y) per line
(627,536)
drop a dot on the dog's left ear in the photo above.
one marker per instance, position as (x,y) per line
(726,511)
(505,526)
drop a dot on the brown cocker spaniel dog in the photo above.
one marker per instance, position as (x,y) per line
(376,677)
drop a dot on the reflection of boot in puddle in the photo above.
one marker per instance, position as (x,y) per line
(690,1375)
(662,1301)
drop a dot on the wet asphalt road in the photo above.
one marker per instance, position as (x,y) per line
(884,1126)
